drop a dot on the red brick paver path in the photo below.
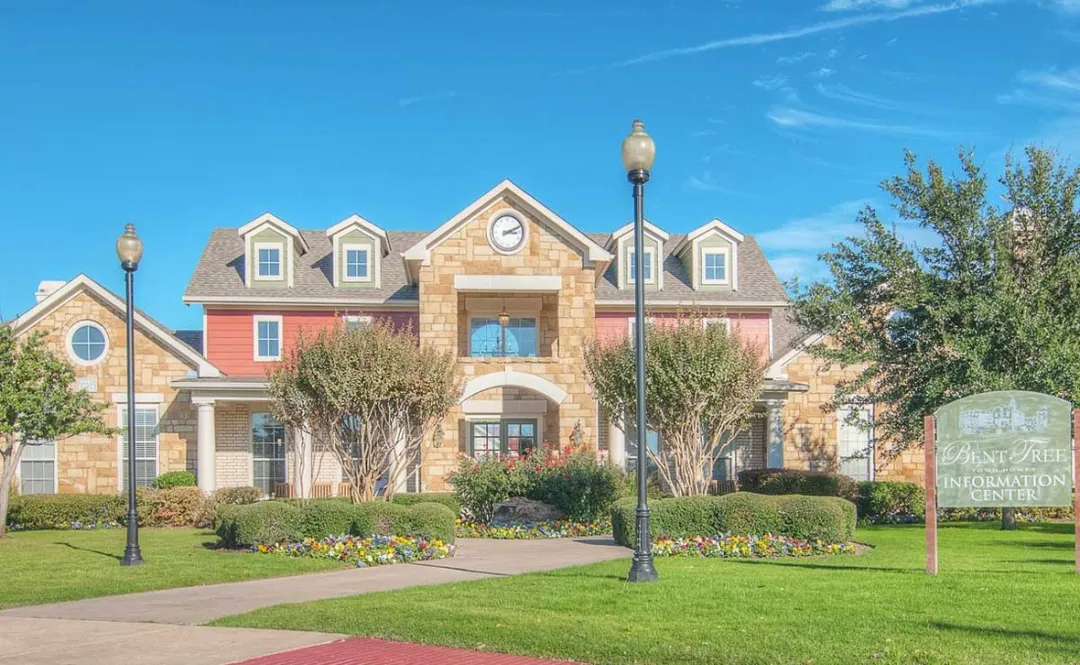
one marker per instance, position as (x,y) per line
(367,651)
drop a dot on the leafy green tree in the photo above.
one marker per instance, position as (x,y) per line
(370,397)
(38,402)
(700,387)
(994,304)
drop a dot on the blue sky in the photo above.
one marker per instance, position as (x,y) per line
(778,117)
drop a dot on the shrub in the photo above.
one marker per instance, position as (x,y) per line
(576,483)
(329,517)
(744,514)
(797,481)
(226,496)
(263,523)
(447,499)
(431,521)
(174,479)
(379,518)
(176,506)
(61,511)
(890,501)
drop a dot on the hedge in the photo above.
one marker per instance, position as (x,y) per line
(831,519)
(62,511)
(174,479)
(798,481)
(445,498)
(272,522)
(890,501)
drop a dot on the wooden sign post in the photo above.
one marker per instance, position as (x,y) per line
(929,443)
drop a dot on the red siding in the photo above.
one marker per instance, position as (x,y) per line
(753,327)
(230,334)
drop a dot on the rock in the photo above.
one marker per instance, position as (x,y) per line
(520,509)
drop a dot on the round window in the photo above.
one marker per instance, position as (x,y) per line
(87,342)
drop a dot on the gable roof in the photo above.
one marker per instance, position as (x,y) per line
(271,219)
(650,228)
(149,326)
(357,220)
(421,250)
(708,227)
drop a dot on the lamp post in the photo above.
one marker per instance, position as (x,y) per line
(129,249)
(638,153)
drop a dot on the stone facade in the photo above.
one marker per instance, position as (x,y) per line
(90,463)
(565,324)
(811,430)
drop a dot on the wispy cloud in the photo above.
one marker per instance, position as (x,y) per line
(796,33)
(796,118)
(1071,6)
(708,182)
(891,42)
(1068,80)
(1050,89)
(824,72)
(842,93)
(792,59)
(770,82)
(426,97)
(854,5)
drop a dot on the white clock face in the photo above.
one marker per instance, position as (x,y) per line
(507,233)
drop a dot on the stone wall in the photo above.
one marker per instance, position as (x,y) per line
(90,463)
(566,323)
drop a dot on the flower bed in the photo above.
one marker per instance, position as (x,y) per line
(747,547)
(363,552)
(532,530)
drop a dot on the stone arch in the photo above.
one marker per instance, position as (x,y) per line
(510,377)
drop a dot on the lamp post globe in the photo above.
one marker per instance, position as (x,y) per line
(638,154)
(129,249)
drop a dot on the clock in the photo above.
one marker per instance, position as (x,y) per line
(506,233)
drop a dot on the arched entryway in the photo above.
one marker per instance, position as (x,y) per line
(509,413)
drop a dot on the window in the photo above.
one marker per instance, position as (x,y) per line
(631,266)
(146,446)
(502,437)
(353,322)
(87,343)
(267,452)
(268,264)
(855,445)
(37,469)
(631,327)
(714,266)
(267,338)
(488,339)
(357,263)
(652,439)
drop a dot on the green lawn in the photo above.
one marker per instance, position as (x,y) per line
(51,566)
(1001,598)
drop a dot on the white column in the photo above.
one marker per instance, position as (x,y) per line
(303,464)
(616,444)
(402,481)
(774,434)
(206,451)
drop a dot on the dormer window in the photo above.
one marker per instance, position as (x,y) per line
(714,266)
(631,266)
(357,263)
(269,260)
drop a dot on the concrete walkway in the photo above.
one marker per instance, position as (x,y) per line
(367,651)
(476,559)
(26,641)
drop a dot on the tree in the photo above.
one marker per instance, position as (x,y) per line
(38,403)
(700,387)
(370,396)
(993,305)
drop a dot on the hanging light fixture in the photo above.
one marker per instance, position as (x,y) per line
(504,316)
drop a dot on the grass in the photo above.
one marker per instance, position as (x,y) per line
(1002,597)
(52,566)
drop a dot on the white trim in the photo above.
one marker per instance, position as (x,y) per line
(347,247)
(66,292)
(71,351)
(17,478)
(508,212)
(712,225)
(356,220)
(534,283)
(776,369)
(716,251)
(358,319)
(631,321)
(421,251)
(140,398)
(510,377)
(257,247)
(625,243)
(267,318)
(871,440)
(489,315)
(655,230)
(759,304)
(205,335)
(770,335)
(650,254)
(301,302)
(269,218)
(517,407)
(121,486)
(726,320)
(195,384)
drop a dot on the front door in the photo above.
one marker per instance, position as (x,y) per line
(502,437)
(855,445)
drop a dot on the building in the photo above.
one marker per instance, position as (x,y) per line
(261,284)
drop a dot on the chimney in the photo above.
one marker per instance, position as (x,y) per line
(47,288)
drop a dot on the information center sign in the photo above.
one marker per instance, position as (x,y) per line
(1004,449)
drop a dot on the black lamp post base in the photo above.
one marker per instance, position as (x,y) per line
(132,557)
(642,570)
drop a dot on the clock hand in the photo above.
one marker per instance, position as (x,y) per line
(510,232)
